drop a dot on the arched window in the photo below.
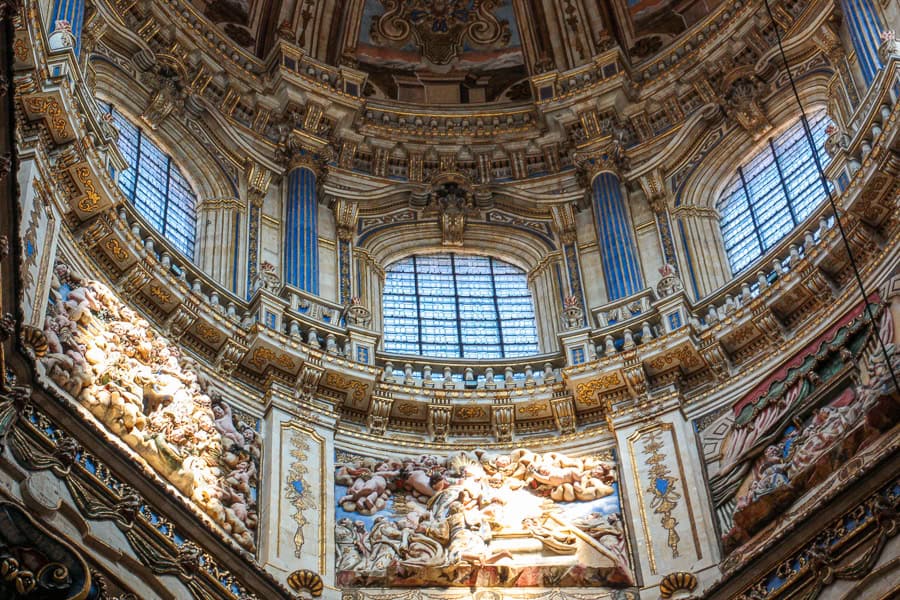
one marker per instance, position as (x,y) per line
(772,193)
(156,187)
(450,305)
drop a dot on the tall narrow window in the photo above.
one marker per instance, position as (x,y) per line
(772,193)
(449,305)
(156,187)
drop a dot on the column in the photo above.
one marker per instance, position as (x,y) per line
(368,281)
(865,27)
(566,233)
(301,231)
(621,269)
(345,214)
(254,188)
(66,21)
(547,304)
(664,229)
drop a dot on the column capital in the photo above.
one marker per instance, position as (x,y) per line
(610,158)
(346,213)
(258,180)
(564,222)
(653,185)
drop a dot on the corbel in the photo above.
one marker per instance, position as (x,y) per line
(307,382)
(131,282)
(654,188)
(818,283)
(98,229)
(564,414)
(346,214)
(716,358)
(229,356)
(768,324)
(379,413)
(259,179)
(181,319)
(635,375)
(503,420)
(564,222)
(439,421)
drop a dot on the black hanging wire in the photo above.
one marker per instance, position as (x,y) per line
(830,195)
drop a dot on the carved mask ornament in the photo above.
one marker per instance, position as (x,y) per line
(441,28)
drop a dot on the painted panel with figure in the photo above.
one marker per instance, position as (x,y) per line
(480,519)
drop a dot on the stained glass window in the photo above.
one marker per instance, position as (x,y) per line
(156,187)
(772,193)
(453,305)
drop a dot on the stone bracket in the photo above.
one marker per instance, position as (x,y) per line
(308,378)
(439,421)
(180,320)
(379,413)
(503,421)
(564,414)
(635,376)
(716,358)
(230,355)
(770,326)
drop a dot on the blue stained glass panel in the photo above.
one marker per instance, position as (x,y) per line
(454,306)
(156,187)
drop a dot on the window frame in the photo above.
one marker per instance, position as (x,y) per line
(765,214)
(178,221)
(501,338)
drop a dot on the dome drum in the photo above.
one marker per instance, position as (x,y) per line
(500,299)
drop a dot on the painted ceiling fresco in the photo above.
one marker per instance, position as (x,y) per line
(441,51)
(474,42)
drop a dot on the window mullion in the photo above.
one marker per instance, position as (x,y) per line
(787,196)
(756,231)
(165,223)
(497,309)
(459,341)
(137,166)
(418,305)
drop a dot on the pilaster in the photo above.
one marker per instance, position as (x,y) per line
(663,489)
(296,530)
